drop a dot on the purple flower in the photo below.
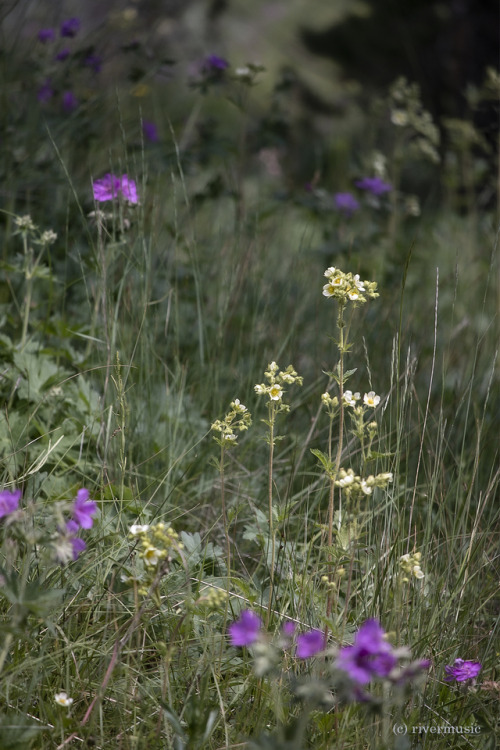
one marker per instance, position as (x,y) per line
(245,631)
(62,55)
(214,64)
(128,188)
(83,509)
(94,62)
(309,644)
(69,101)
(374,185)
(288,628)
(70,27)
(46,35)
(150,131)
(45,92)
(369,656)
(9,502)
(77,545)
(462,670)
(346,203)
(106,188)
(110,186)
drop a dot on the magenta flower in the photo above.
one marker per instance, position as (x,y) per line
(46,35)
(45,92)
(70,27)
(69,101)
(128,188)
(369,656)
(309,644)
(346,203)
(83,509)
(110,186)
(9,502)
(462,670)
(374,185)
(245,631)
(150,131)
(106,188)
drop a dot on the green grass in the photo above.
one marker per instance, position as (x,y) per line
(124,347)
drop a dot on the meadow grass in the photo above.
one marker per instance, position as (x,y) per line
(129,335)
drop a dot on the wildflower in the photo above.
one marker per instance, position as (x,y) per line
(46,35)
(70,27)
(77,546)
(83,509)
(399,117)
(371,399)
(138,528)
(106,188)
(48,238)
(309,644)
(275,392)
(369,656)
(353,294)
(374,185)
(94,62)
(150,131)
(366,487)
(214,64)
(350,398)
(462,670)
(9,502)
(110,187)
(245,631)
(128,188)
(62,55)
(359,284)
(346,203)
(62,699)
(288,628)
(410,564)
(69,101)
(45,92)
(152,556)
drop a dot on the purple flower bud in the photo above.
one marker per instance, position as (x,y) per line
(374,185)
(70,27)
(150,131)
(45,92)
(69,101)
(46,35)
(94,62)
(346,203)
(214,64)
(62,55)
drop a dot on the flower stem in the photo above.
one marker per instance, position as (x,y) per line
(270,500)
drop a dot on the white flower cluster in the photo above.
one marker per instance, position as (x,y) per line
(410,565)
(352,484)
(276,380)
(238,418)
(347,286)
